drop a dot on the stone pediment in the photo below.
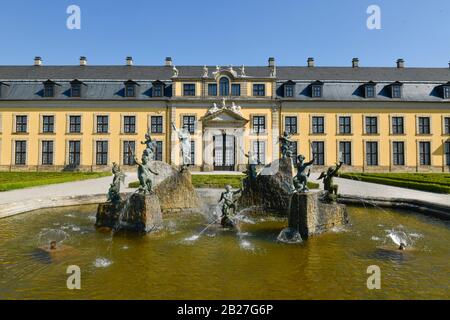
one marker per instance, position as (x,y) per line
(224,115)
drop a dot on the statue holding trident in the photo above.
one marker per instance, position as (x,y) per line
(184,138)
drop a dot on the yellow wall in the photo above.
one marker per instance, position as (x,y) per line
(87,136)
(358,136)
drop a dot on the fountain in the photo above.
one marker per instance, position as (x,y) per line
(142,210)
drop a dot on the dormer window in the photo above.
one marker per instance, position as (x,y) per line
(158,89)
(49,89)
(317,89)
(396,90)
(289,89)
(130,89)
(75,88)
(446,91)
(369,90)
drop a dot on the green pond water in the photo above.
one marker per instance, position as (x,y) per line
(222,264)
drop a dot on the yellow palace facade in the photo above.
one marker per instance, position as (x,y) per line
(84,117)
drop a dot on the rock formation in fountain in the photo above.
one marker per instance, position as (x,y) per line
(176,192)
(270,191)
(311,214)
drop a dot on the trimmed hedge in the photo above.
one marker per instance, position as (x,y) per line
(398,182)
(218,181)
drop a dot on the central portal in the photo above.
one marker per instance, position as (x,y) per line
(224,152)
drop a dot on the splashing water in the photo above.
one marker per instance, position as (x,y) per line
(289,235)
(197,236)
(102,263)
(48,235)
(399,237)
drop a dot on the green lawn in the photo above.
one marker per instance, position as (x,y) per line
(434,182)
(218,181)
(20,180)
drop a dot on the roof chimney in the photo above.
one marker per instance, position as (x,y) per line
(400,63)
(168,62)
(271,62)
(310,62)
(129,61)
(83,61)
(37,61)
(355,62)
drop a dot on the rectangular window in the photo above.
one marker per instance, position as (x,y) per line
(129,148)
(159,151)
(318,150)
(345,152)
(74,153)
(189,89)
(372,153)
(398,153)
(259,151)
(130,90)
(259,124)
(290,125)
(189,122)
(75,90)
(157,90)
(447,125)
(371,125)
(370,91)
(317,91)
(102,124)
(345,126)
(156,124)
(396,91)
(318,124)
(397,125)
(212,89)
(48,124)
(236,89)
(21,152)
(129,124)
(192,152)
(424,125)
(47,152)
(101,153)
(21,124)
(75,124)
(447,153)
(259,89)
(289,91)
(424,153)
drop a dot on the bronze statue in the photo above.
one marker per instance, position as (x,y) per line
(328,185)
(228,204)
(300,180)
(285,145)
(151,146)
(144,174)
(114,189)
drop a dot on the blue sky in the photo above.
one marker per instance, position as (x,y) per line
(227,32)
